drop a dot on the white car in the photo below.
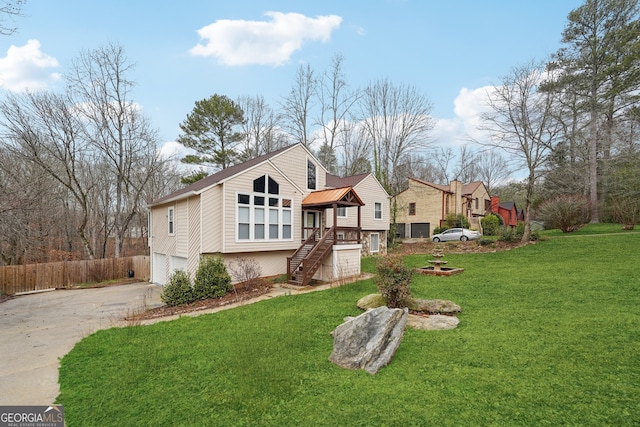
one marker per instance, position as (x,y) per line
(463,234)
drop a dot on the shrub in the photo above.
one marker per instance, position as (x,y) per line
(453,220)
(393,281)
(566,212)
(490,225)
(179,290)
(508,234)
(625,210)
(485,242)
(212,279)
(439,230)
(245,270)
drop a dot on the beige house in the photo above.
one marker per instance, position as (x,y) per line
(424,206)
(277,210)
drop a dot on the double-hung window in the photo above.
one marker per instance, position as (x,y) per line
(377,210)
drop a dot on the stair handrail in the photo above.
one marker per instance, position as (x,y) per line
(310,270)
(312,236)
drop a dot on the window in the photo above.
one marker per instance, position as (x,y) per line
(170,221)
(273,224)
(477,203)
(412,208)
(258,224)
(342,212)
(286,223)
(262,217)
(375,242)
(377,210)
(244,221)
(311,175)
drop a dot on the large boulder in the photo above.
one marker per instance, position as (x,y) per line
(370,340)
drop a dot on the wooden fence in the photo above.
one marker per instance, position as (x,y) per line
(34,277)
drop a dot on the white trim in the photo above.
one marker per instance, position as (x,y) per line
(317,186)
(346,210)
(171,220)
(371,245)
(267,209)
(381,211)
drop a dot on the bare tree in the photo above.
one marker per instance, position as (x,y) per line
(466,169)
(398,122)
(41,129)
(261,129)
(116,128)
(354,150)
(442,159)
(336,102)
(9,9)
(493,168)
(297,106)
(522,123)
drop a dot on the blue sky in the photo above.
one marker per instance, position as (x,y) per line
(188,51)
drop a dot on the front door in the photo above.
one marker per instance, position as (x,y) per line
(311,220)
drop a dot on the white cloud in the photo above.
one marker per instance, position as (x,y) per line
(27,67)
(463,128)
(172,150)
(240,42)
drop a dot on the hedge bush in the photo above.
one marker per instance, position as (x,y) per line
(393,281)
(490,225)
(179,290)
(566,212)
(212,279)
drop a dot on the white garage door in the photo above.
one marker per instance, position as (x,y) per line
(159,269)
(177,263)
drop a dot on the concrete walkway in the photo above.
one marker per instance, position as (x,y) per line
(37,330)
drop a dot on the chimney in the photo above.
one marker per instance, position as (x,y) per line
(455,187)
(495,204)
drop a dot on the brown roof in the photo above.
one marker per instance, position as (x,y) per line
(217,177)
(444,188)
(471,187)
(344,196)
(347,181)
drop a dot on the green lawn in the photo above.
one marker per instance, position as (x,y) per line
(549,335)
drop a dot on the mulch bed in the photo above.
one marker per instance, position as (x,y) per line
(239,293)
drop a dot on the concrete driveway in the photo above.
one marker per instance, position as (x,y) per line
(37,330)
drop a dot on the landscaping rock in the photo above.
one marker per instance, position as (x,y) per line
(429,306)
(371,301)
(370,340)
(434,306)
(434,322)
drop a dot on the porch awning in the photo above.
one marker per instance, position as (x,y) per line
(325,199)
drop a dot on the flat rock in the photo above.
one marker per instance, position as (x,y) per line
(434,322)
(369,341)
(430,306)
(434,306)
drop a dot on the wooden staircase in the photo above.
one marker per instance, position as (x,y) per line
(306,260)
